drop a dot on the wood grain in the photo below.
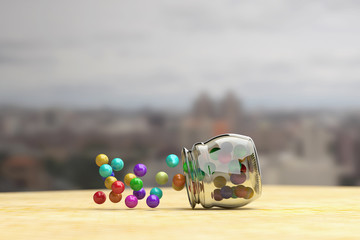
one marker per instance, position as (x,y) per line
(283,212)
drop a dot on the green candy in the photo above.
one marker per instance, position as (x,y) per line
(185,167)
(136,184)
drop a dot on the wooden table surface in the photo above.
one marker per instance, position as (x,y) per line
(282,212)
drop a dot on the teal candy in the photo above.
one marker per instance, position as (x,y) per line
(156,191)
(214,153)
(234,166)
(105,170)
(172,160)
(117,164)
(240,151)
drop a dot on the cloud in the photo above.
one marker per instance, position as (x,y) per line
(164,54)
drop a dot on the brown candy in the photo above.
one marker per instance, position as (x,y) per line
(219,181)
(115,198)
(249,193)
(179,180)
(240,191)
(217,195)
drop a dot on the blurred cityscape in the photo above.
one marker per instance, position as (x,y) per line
(142,79)
(55,148)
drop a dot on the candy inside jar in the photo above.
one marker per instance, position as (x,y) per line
(223,171)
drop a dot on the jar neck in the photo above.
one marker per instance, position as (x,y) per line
(194,187)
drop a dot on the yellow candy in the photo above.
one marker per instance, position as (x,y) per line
(101,159)
(128,178)
(109,181)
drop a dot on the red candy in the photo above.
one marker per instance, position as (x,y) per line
(243,168)
(118,187)
(99,197)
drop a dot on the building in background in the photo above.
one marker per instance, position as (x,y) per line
(54,148)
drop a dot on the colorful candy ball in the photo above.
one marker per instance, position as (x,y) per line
(226,147)
(115,198)
(101,159)
(118,187)
(240,151)
(117,164)
(161,178)
(241,191)
(238,178)
(156,191)
(249,193)
(234,166)
(219,181)
(140,170)
(112,175)
(226,192)
(152,201)
(128,177)
(136,184)
(179,180)
(224,157)
(105,170)
(176,188)
(140,194)
(172,160)
(99,197)
(217,195)
(185,167)
(109,181)
(131,201)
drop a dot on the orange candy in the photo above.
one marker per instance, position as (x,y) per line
(115,198)
(177,188)
(179,180)
(240,191)
(249,193)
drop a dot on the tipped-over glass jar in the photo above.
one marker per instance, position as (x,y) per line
(223,171)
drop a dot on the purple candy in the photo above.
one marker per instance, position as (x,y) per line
(140,170)
(112,174)
(131,201)
(152,201)
(226,192)
(238,178)
(139,194)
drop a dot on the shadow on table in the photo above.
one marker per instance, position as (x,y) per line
(173,209)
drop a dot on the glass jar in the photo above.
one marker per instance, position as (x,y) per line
(223,171)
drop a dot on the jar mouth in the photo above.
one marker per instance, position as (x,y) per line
(185,155)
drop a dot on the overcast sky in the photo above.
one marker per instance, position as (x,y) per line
(274,54)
